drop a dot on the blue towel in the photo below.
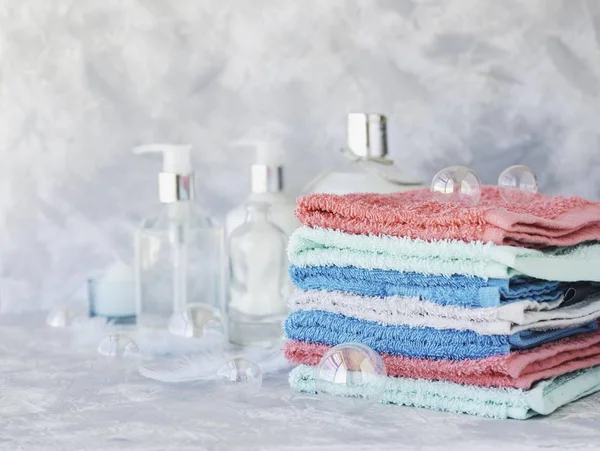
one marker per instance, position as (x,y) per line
(332,329)
(466,291)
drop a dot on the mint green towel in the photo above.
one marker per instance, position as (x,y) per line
(324,247)
(542,399)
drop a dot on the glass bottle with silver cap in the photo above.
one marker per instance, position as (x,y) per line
(266,186)
(368,167)
(179,254)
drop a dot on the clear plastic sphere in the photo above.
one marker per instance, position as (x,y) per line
(119,358)
(457,184)
(118,344)
(66,316)
(195,321)
(351,377)
(239,379)
(517,184)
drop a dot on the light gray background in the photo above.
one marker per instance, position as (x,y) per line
(481,83)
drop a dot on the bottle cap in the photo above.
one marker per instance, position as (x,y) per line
(266,179)
(367,135)
(176,181)
(266,174)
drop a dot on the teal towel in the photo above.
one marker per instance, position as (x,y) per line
(324,247)
(542,399)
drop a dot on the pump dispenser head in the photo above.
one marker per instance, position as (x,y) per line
(176,181)
(267,170)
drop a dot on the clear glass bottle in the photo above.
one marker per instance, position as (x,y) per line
(258,279)
(368,168)
(180,256)
(267,186)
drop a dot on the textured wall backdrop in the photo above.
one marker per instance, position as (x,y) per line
(480,83)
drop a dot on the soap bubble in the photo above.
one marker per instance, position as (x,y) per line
(195,320)
(518,184)
(118,344)
(239,378)
(120,357)
(66,316)
(457,184)
(351,377)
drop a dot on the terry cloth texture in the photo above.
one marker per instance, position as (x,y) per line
(422,342)
(404,311)
(322,247)
(467,291)
(519,369)
(544,398)
(543,221)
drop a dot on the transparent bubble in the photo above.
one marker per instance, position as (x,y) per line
(518,184)
(351,377)
(66,316)
(118,344)
(195,321)
(457,184)
(119,358)
(239,379)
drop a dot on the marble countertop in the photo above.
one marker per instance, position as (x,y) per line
(55,394)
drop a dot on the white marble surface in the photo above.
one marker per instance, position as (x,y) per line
(482,83)
(56,394)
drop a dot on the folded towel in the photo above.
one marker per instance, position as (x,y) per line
(333,329)
(322,247)
(543,221)
(405,311)
(543,399)
(519,369)
(468,291)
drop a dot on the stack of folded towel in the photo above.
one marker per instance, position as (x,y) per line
(489,310)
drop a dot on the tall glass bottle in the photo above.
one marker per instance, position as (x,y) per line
(368,168)
(180,257)
(266,185)
(258,279)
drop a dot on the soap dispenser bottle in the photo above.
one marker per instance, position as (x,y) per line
(368,168)
(267,187)
(179,253)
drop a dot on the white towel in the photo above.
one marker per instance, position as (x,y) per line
(411,311)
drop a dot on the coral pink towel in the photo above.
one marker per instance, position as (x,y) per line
(517,369)
(545,221)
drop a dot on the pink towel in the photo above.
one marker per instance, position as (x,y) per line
(545,221)
(517,369)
